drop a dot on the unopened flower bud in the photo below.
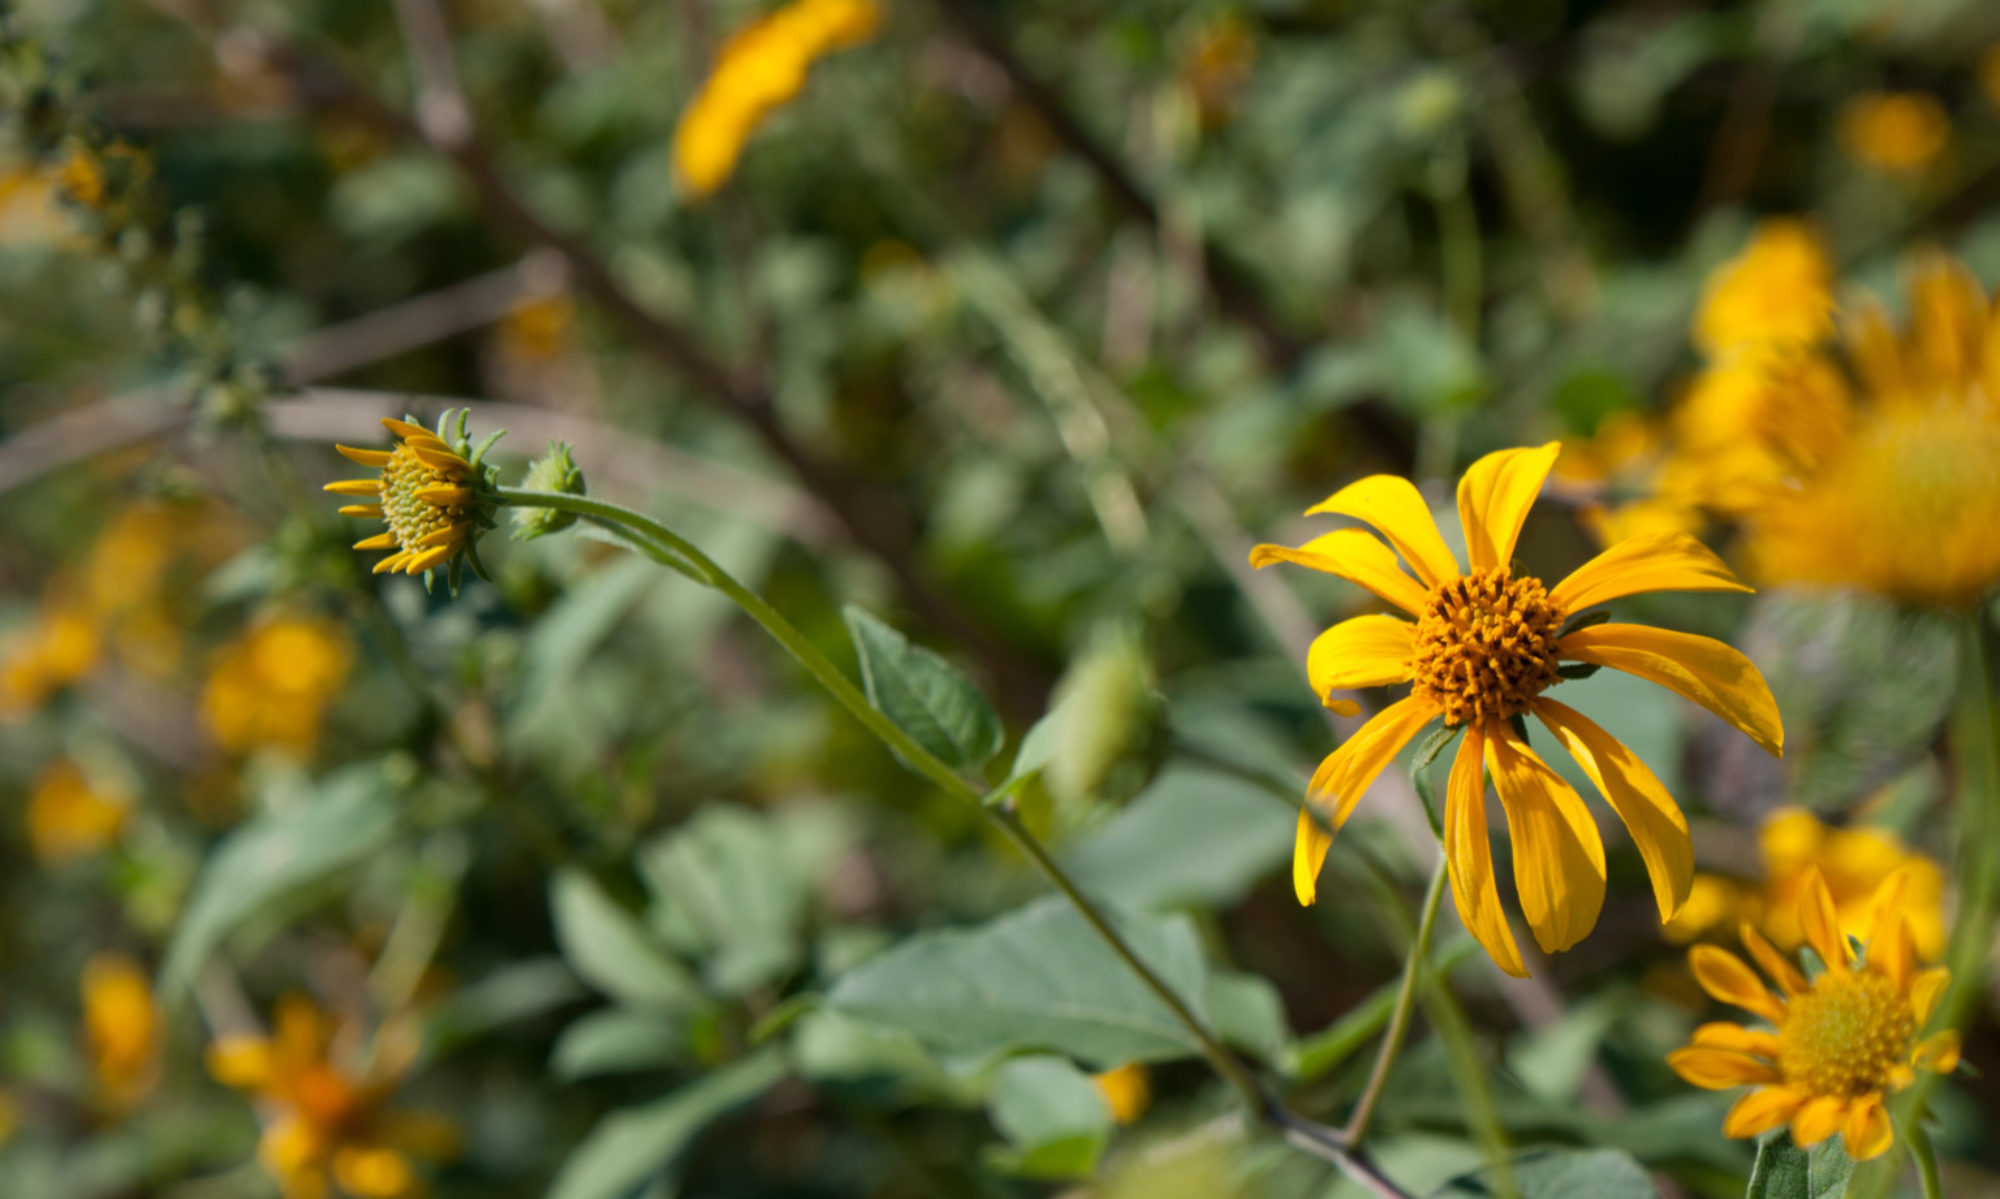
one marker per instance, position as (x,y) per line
(553,471)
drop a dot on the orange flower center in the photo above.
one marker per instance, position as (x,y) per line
(411,519)
(1486,646)
(1847,1036)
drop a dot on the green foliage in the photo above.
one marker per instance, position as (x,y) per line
(632,1146)
(1564,1174)
(1051,1115)
(1785,1171)
(926,696)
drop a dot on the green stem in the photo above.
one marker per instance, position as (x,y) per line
(1399,1017)
(1924,1155)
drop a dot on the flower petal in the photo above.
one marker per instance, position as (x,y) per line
(1356,556)
(369,458)
(1666,561)
(1649,813)
(1367,651)
(1700,668)
(1721,1034)
(1868,1134)
(1494,497)
(1937,1053)
(1720,1069)
(438,458)
(1890,951)
(1344,777)
(1393,507)
(374,510)
(1761,1110)
(242,1062)
(1926,990)
(355,487)
(1819,919)
(444,495)
(1790,979)
(1558,856)
(1818,1119)
(1726,976)
(1469,856)
(407,430)
(380,541)
(422,560)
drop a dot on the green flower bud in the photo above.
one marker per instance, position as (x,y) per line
(553,471)
(1108,736)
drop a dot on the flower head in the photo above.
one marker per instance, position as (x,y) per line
(270,688)
(331,1124)
(122,1029)
(1482,648)
(72,814)
(1778,291)
(1837,1043)
(1896,133)
(429,494)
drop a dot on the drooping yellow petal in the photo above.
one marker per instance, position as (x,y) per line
(408,431)
(380,541)
(1393,507)
(392,562)
(449,535)
(1720,1069)
(1761,1110)
(1790,979)
(1558,856)
(1469,856)
(1937,1052)
(438,458)
(1890,951)
(422,560)
(1367,651)
(1650,814)
(369,458)
(1356,556)
(1664,561)
(1345,776)
(1721,1034)
(1494,497)
(1867,1133)
(1819,919)
(355,487)
(1819,1118)
(1726,976)
(1309,849)
(1926,990)
(1700,668)
(374,510)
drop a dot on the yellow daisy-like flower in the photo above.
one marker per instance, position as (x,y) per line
(427,493)
(1482,648)
(1896,133)
(271,687)
(122,1029)
(761,67)
(1777,292)
(328,1124)
(1837,1044)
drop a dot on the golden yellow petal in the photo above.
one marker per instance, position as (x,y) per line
(1356,556)
(1719,1069)
(1790,979)
(1700,668)
(374,510)
(404,429)
(449,535)
(355,487)
(1367,651)
(1725,976)
(422,560)
(1558,856)
(1721,1034)
(392,562)
(1665,561)
(1761,1110)
(1868,1134)
(1926,990)
(1343,777)
(1309,849)
(1650,814)
(1494,497)
(369,458)
(241,1062)
(439,458)
(1393,507)
(380,541)
(1342,707)
(1937,1053)
(444,495)
(1890,952)
(1819,1118)
(1819,919)
(1469,856)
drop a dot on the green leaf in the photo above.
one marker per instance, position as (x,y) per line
(924,695)
(1432,745)
(617,1041)
(629,1147)
(1564,1174)
(274,857)
(1785,1171)
(1246,1011)
(518,991)
(1052,1115)
(1038,978)
(1585,620)
(610,949)
(1195,838)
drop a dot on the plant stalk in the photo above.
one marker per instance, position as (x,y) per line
(1399,1017)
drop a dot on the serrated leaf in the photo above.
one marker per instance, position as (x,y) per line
(1785,1171)
(609,948)
(1052,1115)
(275,856)
(617,1041)
(629,1147)
(924,695)
(1038,978)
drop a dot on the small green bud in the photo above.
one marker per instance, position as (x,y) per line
(553,471)
(1109,724)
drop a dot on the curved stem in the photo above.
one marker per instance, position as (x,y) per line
(1924,1154)
(1399,1017)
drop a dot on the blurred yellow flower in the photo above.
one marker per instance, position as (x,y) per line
(1126,1090)
(329,1124)
(1838,1043)
(1896,133)
(425,494)
(122,1029)
(81,176)
(1777,292)
(1482,649)
(57,647)
(271,687)
(759,68)
(1217,66)
(538,329)
(71,815)
(1853,863)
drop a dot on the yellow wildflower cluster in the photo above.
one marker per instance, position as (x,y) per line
(1853,863)
(329,1122)
(1127,1091)
(270,688)
(122,1030)
(760,67)
(72,814)
(1896,133)
(538,329)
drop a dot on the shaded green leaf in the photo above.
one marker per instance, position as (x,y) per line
(1052,1115)
(1564,1174)
(617,1041)
(629,1147)
(1785,1171)
(609,947)
(925,695)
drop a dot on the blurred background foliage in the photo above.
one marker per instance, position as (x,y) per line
(1015,323)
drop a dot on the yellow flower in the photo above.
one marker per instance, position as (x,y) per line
(1897,133)
(60,646)
(329,1122)
(539,329)
(1482,649)
(1837,1044)
(1126,1091)
(427,493)
(1777,292)
(271,687)
(71,815)
(759,68)
(122,1029)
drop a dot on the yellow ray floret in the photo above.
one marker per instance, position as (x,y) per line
(427,495)
(1483,647)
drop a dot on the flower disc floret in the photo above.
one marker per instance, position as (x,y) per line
(1486,646)
(1847,1036)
